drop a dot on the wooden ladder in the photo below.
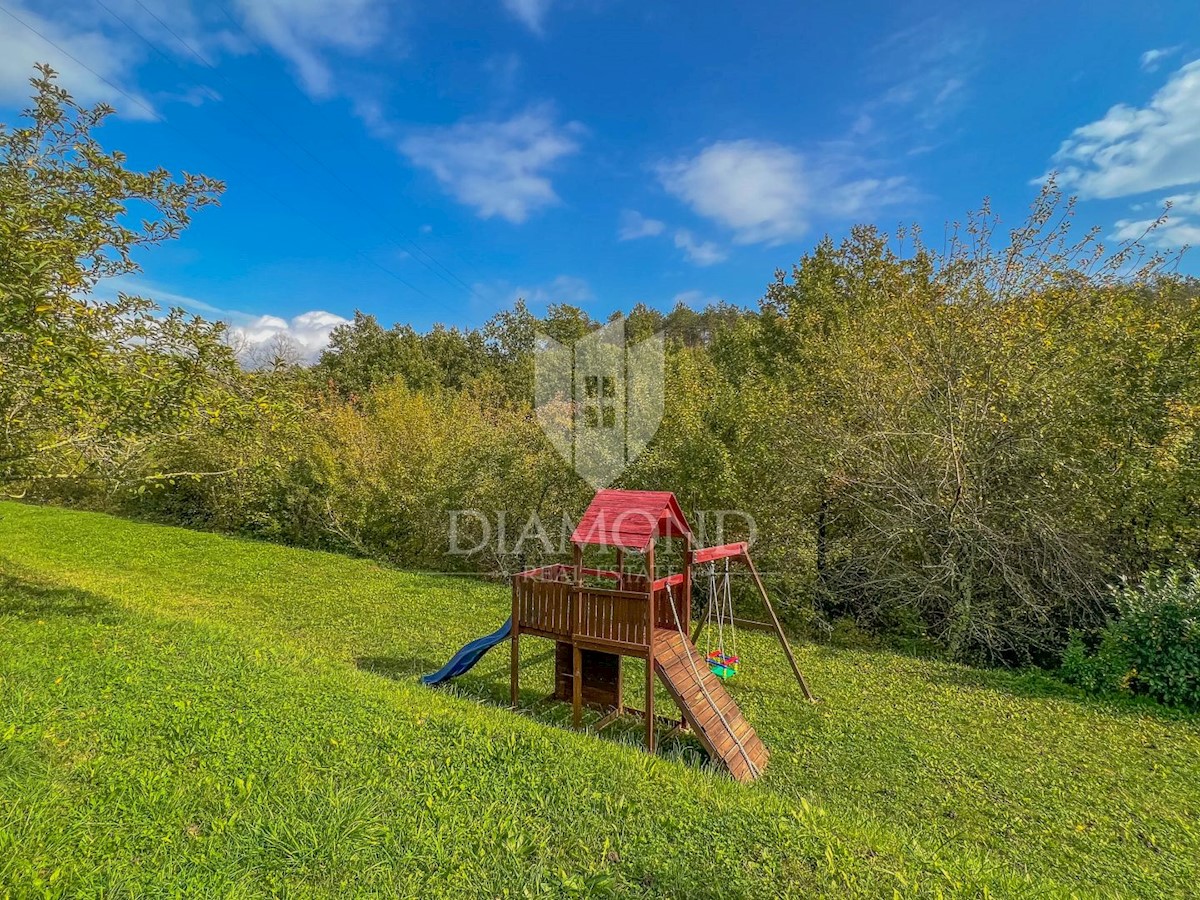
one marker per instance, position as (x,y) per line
(707,706)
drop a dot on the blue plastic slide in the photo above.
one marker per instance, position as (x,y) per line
(469,655)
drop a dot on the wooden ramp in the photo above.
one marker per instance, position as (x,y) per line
(707,706)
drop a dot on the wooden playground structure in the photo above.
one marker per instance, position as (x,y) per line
(596,616)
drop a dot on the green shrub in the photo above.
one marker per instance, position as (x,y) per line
(849,635)
(1105,669)
(1160,621)
(1152,647)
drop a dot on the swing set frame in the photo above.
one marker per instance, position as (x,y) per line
(740,552)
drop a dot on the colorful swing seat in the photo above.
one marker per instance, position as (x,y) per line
(723,665)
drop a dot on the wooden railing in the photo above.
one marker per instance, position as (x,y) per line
(612,617)
(543,605)
(547,603)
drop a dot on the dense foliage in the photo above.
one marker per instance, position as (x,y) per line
(967,446)
(925,447)
(1152,647)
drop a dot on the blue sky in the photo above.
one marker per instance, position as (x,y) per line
(431,162)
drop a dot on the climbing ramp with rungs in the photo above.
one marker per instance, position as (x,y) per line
(707,706)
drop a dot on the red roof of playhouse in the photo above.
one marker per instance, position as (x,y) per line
(630,519)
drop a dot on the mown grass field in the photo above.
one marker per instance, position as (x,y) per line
(185,714)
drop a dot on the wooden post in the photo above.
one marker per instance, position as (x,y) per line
(650,650)
(578,564)
(576,654)
(685,614)
(515,663)
(619,710)
(787,649)
(577,686)
(620,685)
(703,613)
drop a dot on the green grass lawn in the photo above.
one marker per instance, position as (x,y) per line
(186,714)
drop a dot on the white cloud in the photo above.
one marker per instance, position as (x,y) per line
(99,55)
(1132,150)
(921,72)
(768,193)
(563,289)
(498,167)
(305,31)
(859,197)
(1174,234)
(1151,59)
(94,66)
(1177,231)
(757,189)
(634,225)
(1184,203)
(307,332)
(194,96)
(702,253)
(695,298)
(532,13)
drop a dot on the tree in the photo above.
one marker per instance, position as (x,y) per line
(991,433)
(566,323)
(88,384)
(363,355)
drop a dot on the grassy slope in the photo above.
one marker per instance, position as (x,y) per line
(204,715)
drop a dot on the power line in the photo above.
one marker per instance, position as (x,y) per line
(437,268)
(158,117)
(81,63)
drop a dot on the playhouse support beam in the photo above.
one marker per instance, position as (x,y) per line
(676,725)
(686,612)
(576,686)
(650,651)
(576,653)
(514,676)
(607,719)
